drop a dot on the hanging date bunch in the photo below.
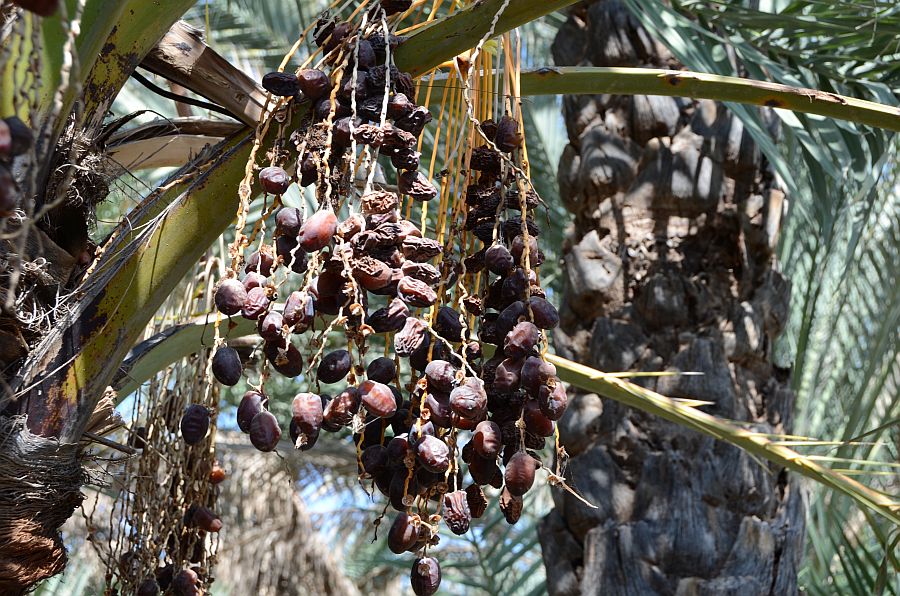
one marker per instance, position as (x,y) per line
(407,306)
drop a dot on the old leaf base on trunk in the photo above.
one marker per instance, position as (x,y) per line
(669,266)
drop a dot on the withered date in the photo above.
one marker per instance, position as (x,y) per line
(379,202)
(420,249)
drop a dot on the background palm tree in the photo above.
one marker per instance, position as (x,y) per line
(669,265)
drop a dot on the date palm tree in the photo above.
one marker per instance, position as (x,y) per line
(652,241)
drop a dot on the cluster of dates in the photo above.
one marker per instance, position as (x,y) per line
(15,139)
(499,408)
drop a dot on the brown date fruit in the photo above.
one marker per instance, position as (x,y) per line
(351,226)
(289,252)
(514,286)
(544,313)
(270,326)
(404,533)
(299,311)
(456,512)
(535,373)
(338,34)
(394,6)
(201,517)
(371,273)
(313,83)
(230,296)
(274,180)
(469,400)
(405,159)
(365,54)
(391,318)
(553,400)
(307,413)
(441,375)
(340,410)
(415,121)
(508,318)
(382,370)
(424,272)
(420,249)
(511,506)
(535,422)
(438,406)
(518,250)
(148,587)
(261,261)
(317,231)
(378,399)
(416,185)
(300,440)
(508,137)
(194,424)
(374,460)
(283,84)
(288,221)
(379,202)
(399,106)
(447,324)
(521,340)
(287,360)
(507,375)
(426,576)
(256,304)
(21,138)
(334,366)
(415,292)
(265,431)
(9,192)
(400,493)
(226,366)
(306,167)
(487,441)
(485,471)
(253,280)
(498,259)
(433,453)
(186,583)
(251,404)
(477,501)
(519,475)
(44,8)
(217,475)
(413,336)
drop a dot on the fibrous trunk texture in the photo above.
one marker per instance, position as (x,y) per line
(669,266)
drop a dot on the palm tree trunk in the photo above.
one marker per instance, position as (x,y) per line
(670,266)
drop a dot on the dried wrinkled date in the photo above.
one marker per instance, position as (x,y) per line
(416,185)
(411,337)
(379,202)
(456,512)
(283,84)
(476,500)
(511,506)
(186,583)
(415,292)
(256,304)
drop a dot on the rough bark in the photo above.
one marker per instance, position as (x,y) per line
(670,266)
